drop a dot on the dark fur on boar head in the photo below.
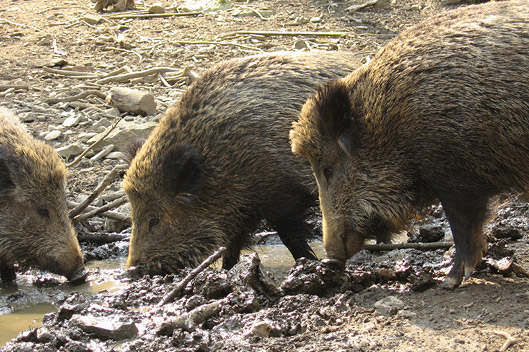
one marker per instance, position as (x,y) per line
(219,163)
(35,230)
(441,112)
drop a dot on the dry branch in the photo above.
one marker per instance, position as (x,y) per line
(152,15)
(91,146)
(104,208)
(76,97)
(510,340)
(108,214)
(132,75)
(76,74)
(107,180)
(279,33)
(13,86)
(182,284)
(217,43)
(420,246)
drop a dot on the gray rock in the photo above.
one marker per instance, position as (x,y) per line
(125,133)
(389,305)
(106,327)
(70,150)
(53,135)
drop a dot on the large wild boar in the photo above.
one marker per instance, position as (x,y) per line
(441,112)
(35,230)
(219,162)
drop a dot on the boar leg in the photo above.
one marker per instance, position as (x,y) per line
(466,217)
(293,231)
(233,251)
(7,272)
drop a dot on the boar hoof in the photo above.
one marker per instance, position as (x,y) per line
(451,282)
(78,278)
(334,263)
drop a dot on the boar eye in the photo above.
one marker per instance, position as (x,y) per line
(153,222)
(328,171)
(43,212)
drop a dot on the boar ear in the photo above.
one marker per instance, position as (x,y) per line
(182,173)
(338,120)
(131,149)
(7,186)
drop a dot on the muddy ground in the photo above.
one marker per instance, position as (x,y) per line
(384,301)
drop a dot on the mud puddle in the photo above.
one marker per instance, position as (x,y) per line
(23,305)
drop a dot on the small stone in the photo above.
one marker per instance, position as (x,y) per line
(157,8)
(90,19)
(106,328)
(53,135)
(389,305)
(104,152)
(301,44)
(71,121)
(315,19)
(102,123)
(70,150)
(261,329)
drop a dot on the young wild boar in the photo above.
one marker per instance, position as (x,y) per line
(442,112)
(220,161)
(35,230)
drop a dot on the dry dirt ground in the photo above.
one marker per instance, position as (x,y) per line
(488,313)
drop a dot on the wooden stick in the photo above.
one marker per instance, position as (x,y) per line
(108,214)
(217,43)
(132,75)
(107,180)
(279,33)
(76,97)
(93,145)
(510,340)
(69,73)
(13,86)
(183,283)
(420,246)
(97,211)
(153,15)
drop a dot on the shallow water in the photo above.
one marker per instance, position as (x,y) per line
(22,306)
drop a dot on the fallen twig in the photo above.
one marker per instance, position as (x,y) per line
(256,12)
(91,146)
(104,208)
(13,86)
(76,74)
(98,190)
(279,33)
(108,214)
(510,340)
(76,97)
(151,15)
(182,284)
(132,75)
(216,43)
(189,321)
(17,24)
(420,246)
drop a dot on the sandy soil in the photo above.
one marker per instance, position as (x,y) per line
(484,314)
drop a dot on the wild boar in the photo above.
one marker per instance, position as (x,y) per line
(35,230)
(219,162)
(441,112)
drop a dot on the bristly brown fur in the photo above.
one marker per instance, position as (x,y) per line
(441,112)
(35,230)
(230,127)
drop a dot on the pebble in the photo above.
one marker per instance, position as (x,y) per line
(53,135)
(389,305)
